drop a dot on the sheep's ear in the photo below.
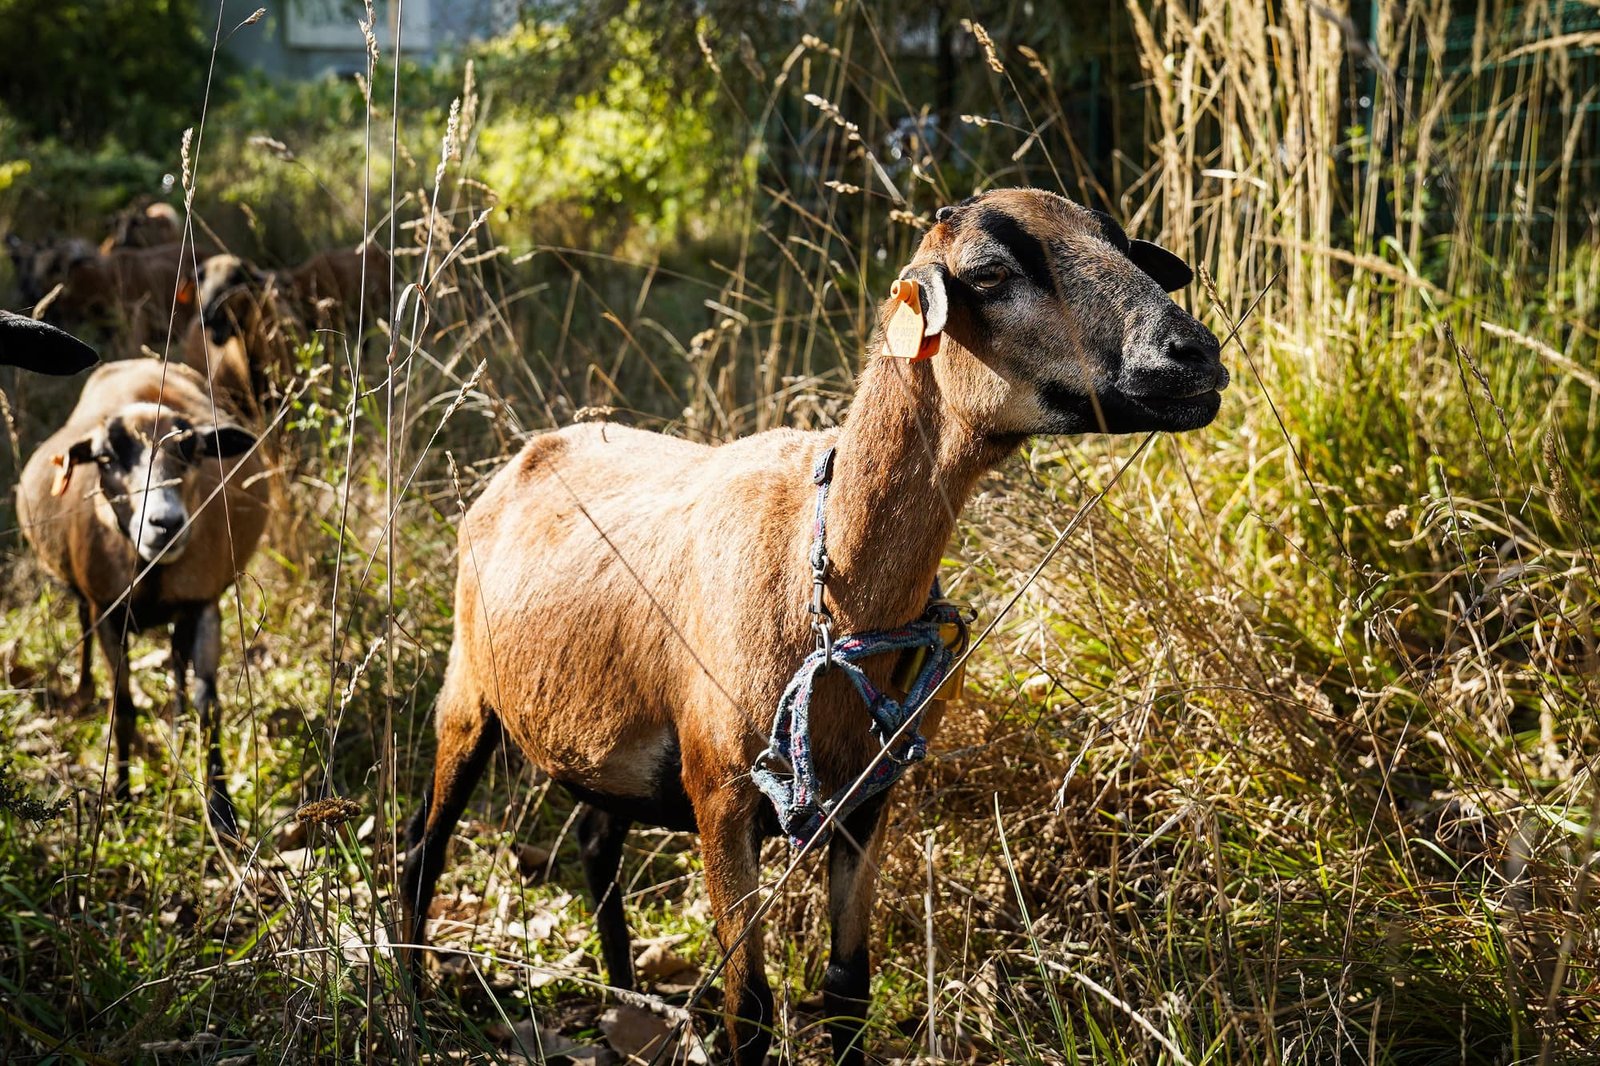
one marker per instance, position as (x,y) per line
(921,308)
(41,348)
(1170,272)
(218,442)
(933,279)
(81,452)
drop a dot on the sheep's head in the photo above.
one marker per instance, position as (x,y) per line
(40,267)
(145,226)
(147,458)
(1050,320)
(230,292)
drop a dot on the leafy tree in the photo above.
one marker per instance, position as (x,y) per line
(88,71)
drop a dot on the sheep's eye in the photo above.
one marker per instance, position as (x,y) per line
(988,277)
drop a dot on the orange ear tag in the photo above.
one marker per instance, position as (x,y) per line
(63,478)
(904,337)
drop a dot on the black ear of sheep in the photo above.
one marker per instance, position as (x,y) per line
(1170,272)
(42,348)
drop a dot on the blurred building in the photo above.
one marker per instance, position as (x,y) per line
(308,38)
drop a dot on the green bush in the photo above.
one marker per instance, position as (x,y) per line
(129,72)
(634,153)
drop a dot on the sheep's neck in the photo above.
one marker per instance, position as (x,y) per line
(905,466)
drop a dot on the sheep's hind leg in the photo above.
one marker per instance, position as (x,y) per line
(197,640)
(600,839)
(468,734)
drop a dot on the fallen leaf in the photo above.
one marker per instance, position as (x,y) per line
(532,862)
(298,860)
(534,927)
(637,1035)
(570,964)
(659,965)
(534,1043)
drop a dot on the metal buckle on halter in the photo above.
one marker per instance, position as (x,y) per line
(824,633)
(821,617)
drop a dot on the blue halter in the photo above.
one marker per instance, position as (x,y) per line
(796,794)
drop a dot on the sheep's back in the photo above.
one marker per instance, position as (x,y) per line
(610,567)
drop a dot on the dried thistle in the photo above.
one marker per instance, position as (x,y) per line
(333,811)
(371,38)
(705,50)
(1034,62)
(986,43)
(184,151)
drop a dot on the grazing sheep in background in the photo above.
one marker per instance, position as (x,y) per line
(245,336)
(41,348)
(331,286)
(138,292)
(144,225)
(40,266)
(144,538)
(251,321)
(630,607)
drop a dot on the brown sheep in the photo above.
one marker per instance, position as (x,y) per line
(630,607)
(252,321)
(137,291)
(144,538)
(40,266)
(246,334)
(332,286)
(143,225)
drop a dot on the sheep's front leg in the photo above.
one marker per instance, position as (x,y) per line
(731,848)
(600,838)
(124,726)
(852,888)
(197,641)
